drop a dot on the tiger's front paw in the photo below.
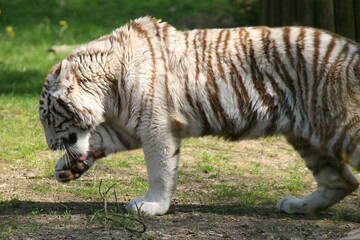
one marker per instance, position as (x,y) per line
(66,171)
(290,204)
(68,168)
(149,208)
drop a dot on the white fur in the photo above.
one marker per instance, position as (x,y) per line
(148,85)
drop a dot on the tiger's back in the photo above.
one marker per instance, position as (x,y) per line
(155,85)
(260,81)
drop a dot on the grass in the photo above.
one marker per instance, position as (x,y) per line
(215,177)
(24,60)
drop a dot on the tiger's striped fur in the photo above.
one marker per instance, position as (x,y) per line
(154,85)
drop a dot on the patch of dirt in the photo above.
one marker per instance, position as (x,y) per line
(182,222)
(26,213)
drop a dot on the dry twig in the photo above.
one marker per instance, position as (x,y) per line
(132,224)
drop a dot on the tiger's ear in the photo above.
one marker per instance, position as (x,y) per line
(55,69)
(66,77)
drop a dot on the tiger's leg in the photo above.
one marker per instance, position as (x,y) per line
(104,140)
(334,178)
(162,159)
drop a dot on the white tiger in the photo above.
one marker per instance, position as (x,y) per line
(155,85)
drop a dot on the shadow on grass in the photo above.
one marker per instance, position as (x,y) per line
(23,208)
(247,210)
(21,82)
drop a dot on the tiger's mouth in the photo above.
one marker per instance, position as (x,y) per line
(81,157)
(88,154)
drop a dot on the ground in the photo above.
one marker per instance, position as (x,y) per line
(226,190)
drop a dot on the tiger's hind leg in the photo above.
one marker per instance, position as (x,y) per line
(334,178)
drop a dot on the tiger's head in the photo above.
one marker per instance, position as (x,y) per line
(68,111)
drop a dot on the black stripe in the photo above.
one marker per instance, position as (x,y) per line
(207,126)
(108,132)
(258,78)
(121,138)
(177,152)
(101,141)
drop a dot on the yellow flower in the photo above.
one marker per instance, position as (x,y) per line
(0,11)
(9,29)
(62,23)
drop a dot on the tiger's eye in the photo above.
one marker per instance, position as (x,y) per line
(72,138)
